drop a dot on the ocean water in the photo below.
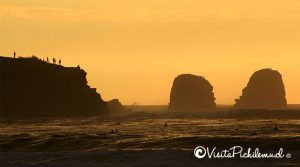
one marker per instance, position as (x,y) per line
(141,139)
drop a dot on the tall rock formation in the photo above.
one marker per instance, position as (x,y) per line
(265,90)
(34,88)
(190,93)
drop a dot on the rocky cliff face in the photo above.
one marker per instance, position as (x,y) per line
(265,90)
(190,92)
(34,88)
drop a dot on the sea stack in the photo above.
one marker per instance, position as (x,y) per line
(265,90)
(191,93)
(31,87)
(115,106)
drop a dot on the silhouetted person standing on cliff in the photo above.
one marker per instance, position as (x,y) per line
(14,54)
(59,62)
(54,61)
(47,60)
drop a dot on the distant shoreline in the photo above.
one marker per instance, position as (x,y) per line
(219,107)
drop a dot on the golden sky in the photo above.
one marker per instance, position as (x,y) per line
(133,49)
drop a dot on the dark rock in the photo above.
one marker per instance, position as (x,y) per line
(115,106)
(190,92)
(34,88)
(265,90)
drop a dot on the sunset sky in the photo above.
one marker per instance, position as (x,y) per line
(133,49)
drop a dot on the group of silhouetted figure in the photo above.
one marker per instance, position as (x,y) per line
(47,60)
(54,61)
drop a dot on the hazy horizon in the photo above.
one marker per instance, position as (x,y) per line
(133,50)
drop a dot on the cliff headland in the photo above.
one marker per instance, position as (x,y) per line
(31,87)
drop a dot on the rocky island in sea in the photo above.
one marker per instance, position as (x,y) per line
(115,106)
(265,90)
(191,92)
(31,87)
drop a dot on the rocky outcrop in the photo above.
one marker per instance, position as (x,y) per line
(34,88)
(190,93)
(115,105)
(265,90)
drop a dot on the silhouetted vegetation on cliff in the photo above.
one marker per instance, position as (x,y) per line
(34,88)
